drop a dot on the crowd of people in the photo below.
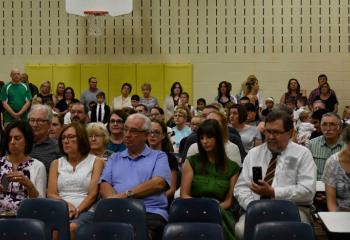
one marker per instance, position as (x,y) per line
(60,147)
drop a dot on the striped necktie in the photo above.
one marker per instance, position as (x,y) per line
(270,173)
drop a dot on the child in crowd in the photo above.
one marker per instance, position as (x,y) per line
(201,103)
(269,103)
(135,101)
(301,106)
(346,115)
(305,128)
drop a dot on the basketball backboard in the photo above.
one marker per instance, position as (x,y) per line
(113,7)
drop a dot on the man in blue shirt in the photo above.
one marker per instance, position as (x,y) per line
(139,172)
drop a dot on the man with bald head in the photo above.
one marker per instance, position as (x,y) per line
(139,172)
(15,97)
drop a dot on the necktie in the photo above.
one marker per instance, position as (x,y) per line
(270,173)
(99,114)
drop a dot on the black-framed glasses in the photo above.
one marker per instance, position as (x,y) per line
(154,133)
(274,133)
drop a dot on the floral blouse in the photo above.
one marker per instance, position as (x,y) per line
(16,192)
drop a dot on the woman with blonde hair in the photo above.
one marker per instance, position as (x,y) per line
(147,99)
(45,94)
(59,95)
(98,138)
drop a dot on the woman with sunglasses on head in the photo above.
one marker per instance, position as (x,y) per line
(158,139)
(74,177)
(115,128)
(210,173)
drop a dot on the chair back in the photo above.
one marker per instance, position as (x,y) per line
(266,210)
(22,229)
(193,230)
(283,230)
(105,231)
(129,210)
(53,212)
(195,210)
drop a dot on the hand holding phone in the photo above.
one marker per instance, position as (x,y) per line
(5,183)
(257,174)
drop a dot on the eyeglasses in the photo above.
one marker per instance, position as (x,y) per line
(274,133)
(133,131)
(115,122)
(70,138)
(329,125)
(154,133)
(38,121)
(92,136)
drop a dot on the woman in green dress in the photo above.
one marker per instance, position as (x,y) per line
(210,173)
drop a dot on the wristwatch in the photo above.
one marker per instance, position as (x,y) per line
(129,193)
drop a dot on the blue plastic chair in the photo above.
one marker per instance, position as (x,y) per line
(54,213)
(267,210)
(129,210)
(195,210)
(192,230)
(105,231)
(283,230)
(22,228)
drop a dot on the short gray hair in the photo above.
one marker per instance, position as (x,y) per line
(332,114)
(147,122)
(45,107)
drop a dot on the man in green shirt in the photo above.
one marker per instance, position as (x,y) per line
(15,97)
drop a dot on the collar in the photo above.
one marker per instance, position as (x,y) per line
(324,144)
(146,151)
(47,141)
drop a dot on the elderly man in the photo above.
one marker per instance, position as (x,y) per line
(15,97)
(324,146)
(139,172)
(288,170)
(44,149)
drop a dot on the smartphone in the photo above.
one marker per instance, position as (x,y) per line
(5,183)
(257,174)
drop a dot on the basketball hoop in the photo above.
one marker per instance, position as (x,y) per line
(94,22)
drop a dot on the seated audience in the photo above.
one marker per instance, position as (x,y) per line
(115,128)
(135,100)
(44,149)
(56,126)
(124,100)
(318,104)
(346,115)
(139,172)
(60,91)
(252,115)
(201,103)
(250,136)
(21,175)
(269,103)
(181,130)
(232,150)
(336,177)
(329,143)
(74,177)
(288,170)
(98,138)
(184,103)
(316,121)
(158,139)
(141,108)
(210,173)
(69,97)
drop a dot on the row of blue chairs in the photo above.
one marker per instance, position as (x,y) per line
(188,218)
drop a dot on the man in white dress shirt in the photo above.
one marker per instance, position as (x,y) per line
(294,175)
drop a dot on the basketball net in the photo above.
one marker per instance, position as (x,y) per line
(95,22)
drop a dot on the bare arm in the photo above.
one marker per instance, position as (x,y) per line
(186,180)
(8,108)
(227,203)
(150,187)
(93,187)
(107,191)
(331,198)
(335,108)
(171,191)
(52,191)
(282,99)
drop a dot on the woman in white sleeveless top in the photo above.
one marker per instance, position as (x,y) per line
(74,177)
